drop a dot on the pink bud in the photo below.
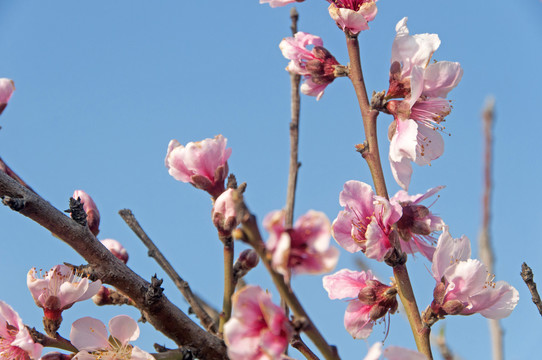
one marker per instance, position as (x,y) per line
(93,215)
(224,214)
(7,86)
(116,249)
(204,164)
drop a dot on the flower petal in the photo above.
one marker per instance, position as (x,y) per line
(346,283)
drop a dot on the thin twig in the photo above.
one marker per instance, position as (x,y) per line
(254,238)
(298,344)
(484,242)
(47,341)
(183,286)
(527,276)
(371,155)
(157,310)
(294,136)
(445,351)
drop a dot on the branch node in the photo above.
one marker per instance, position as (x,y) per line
(77,212)
(16,204)
(154,291)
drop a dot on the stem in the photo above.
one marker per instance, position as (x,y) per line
(294,137)
(298,344)
(157,255)
(254,238)
(371,154)
(229,286)
(528,277)
(421,333)
(484,242)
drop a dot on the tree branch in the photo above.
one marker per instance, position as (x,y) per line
(527,276)
(158,310)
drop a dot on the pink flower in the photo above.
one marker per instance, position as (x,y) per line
(93,215)
(204,164)
(464,286)
(417,223)
(224,214)
(369,299)
(15,340)
(90,337)
(7,86)
(59,290)
(276,3)
(258,329)
(352,15)
(316,65)
(304,249)
(366,222)
(414,134)
(116,249)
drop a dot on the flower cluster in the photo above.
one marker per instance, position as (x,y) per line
(367,222)
(352,15)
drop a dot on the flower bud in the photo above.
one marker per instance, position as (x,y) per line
(116,249)
(204,164)
(224,214)
(7,86)
(248,259)
(453,307)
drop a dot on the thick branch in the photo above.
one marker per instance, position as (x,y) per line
(157,310)
(157,255)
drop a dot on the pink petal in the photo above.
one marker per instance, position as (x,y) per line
(341,229)
(496,302)
(378,244)
(374,352)
(356,320)
(441,77)
(413,50)
(402,172)
(399,353)
(357,195)
(89,334)
(124,329)
(281,254)
(448,252)
(430,145)
(350,19)
(346,283)
(312,89)
(7,87)
(315,229)
(276,3)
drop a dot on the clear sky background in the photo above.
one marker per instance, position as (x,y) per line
(103,86)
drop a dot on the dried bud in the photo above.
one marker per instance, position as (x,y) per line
(93,215)
(224,214)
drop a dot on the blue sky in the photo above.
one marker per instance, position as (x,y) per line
(103,87)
